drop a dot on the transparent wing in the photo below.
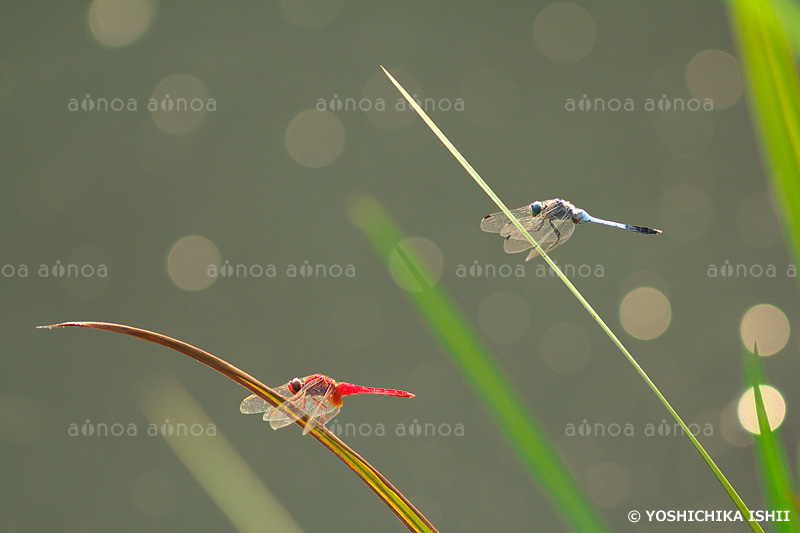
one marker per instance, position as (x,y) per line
(329,415)
(312,399)
(551,228)
(321,412)
(495,222)
(552,240)
(254,404)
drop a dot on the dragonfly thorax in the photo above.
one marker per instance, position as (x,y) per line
(560,208)
(579,215)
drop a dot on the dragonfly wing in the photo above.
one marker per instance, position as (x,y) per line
(328,414)
(495,222)
(255,404)
(296,406)
(549,230)
(321,411)
(280,416)
(516,240)
(553,240)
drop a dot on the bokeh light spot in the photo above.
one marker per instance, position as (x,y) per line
(116,23)
(774,405)
(715,74)
(706,427)
(645,313)
(181,104)
(190,260)
(564,32)
(427,252)
(730,427)
(315,138)
(767,326)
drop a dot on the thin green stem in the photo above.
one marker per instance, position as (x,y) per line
(472,172)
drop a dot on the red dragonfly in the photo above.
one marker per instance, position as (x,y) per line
(318,396)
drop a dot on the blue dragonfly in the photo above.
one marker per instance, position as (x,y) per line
(550,223)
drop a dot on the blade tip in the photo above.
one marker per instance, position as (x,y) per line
(54,326)
(64,325)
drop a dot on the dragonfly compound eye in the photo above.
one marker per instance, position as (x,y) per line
(536,208)
(295,385)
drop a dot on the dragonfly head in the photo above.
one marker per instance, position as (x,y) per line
(536,208)
(579,215)
(295,385)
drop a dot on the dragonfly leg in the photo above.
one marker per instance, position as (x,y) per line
(531,230)
(558,234)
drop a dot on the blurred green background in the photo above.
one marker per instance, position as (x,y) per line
(289,117)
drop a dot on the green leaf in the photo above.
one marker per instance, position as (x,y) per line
(771,459)
(215,464)
(477,365)
(774,95)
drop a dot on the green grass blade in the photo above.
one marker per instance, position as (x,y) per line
(788,12)
(734,496)
(473,359)
(383,489)
(774,96)
(214,463)
(773,465)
